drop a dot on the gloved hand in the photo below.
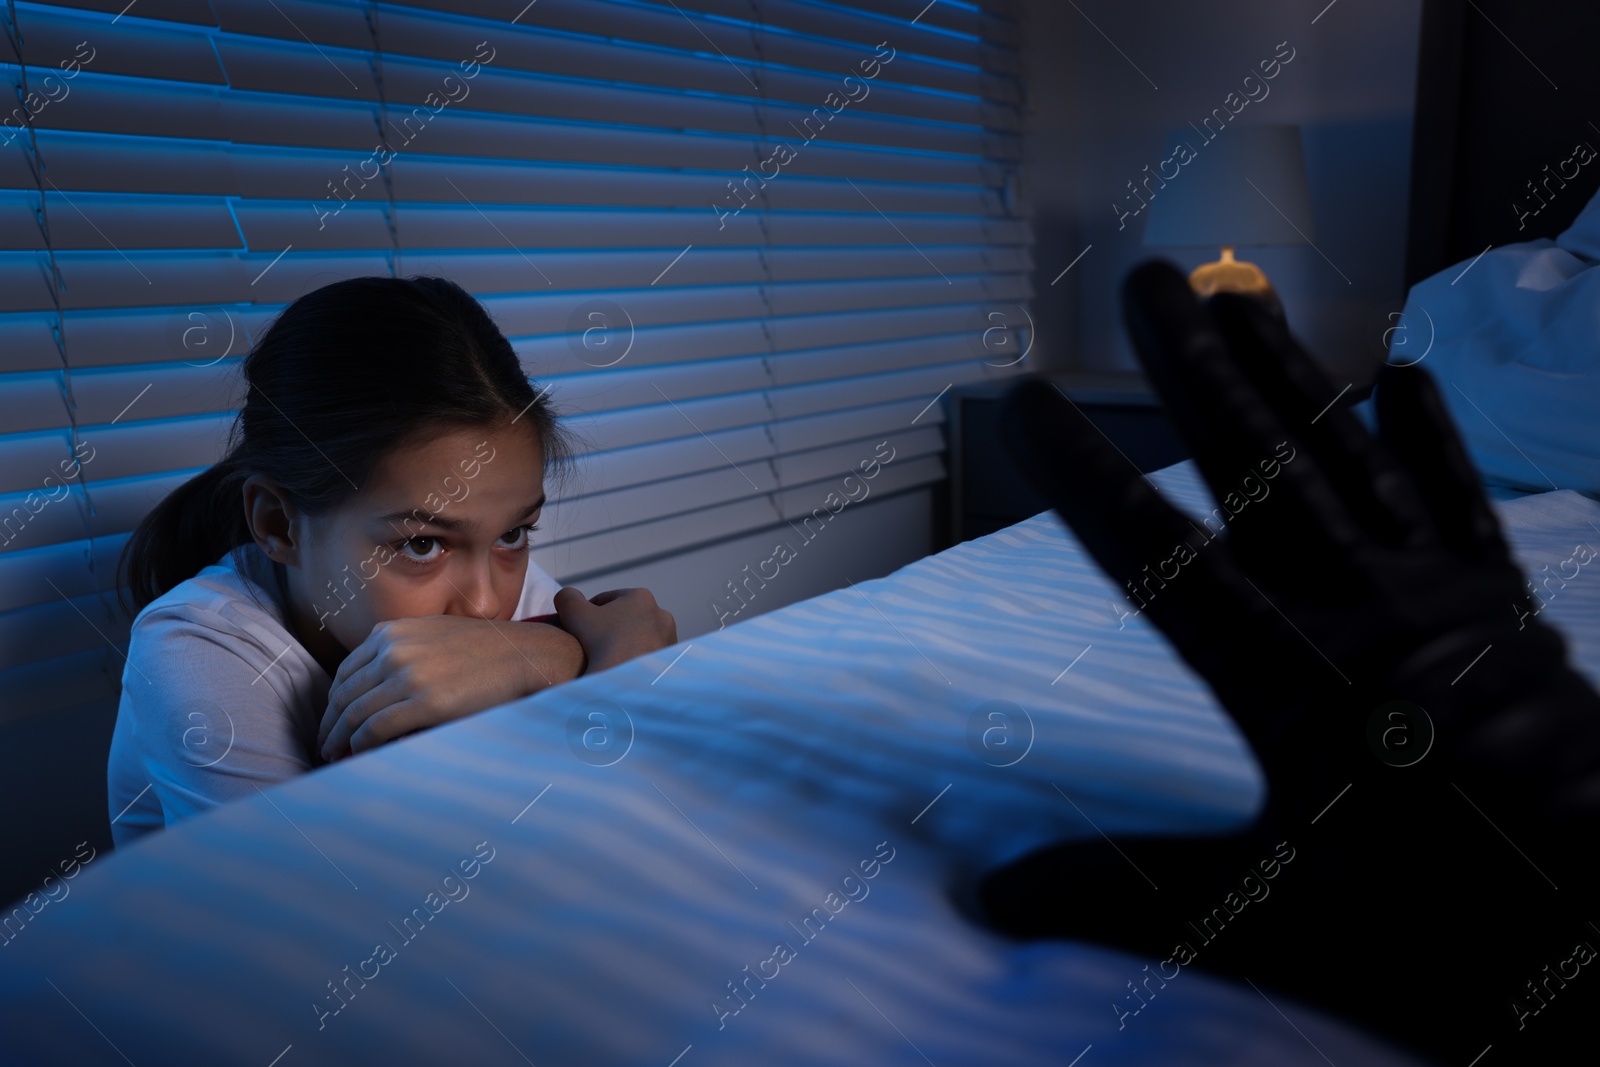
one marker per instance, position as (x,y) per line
(1350,597)
(1371,567)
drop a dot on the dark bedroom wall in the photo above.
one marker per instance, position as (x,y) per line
(53,783)
(1508,88)
(1049,172)
(1135,71)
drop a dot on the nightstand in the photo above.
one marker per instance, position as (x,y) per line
(989,493)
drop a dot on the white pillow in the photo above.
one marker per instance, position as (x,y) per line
(1513,340)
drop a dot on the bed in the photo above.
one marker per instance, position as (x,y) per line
(643,844)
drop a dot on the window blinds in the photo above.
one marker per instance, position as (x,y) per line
(742,242)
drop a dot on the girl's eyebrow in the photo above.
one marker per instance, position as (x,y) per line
(419,517)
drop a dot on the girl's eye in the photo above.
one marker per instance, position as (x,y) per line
(517,538)
(422,549)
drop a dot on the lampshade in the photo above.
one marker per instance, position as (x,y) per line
(1234,189)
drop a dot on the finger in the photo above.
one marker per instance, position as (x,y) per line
(348,691)
(612,594)
(1227,423)
(340,693)
(1182,350)
(1415,426)
(569,598)
(574,609)
(390,724)
(390,691)
(337,700)
(1133,532)
(1377,491)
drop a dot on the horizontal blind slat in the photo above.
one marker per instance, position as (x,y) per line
(593,554)
(96,102)
(731,480)
(342,25)
(572,352)
(33,461)
(97,221)
(174,52)
(90,162)
(197,12)
(672,29)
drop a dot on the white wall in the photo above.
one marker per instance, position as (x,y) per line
(1350,87)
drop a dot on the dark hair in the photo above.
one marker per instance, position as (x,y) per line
(345,374)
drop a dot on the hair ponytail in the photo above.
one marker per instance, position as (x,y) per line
(345,374)
(190,529)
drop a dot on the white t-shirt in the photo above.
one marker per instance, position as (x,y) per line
(219,696)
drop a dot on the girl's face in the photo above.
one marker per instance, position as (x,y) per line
(441,528)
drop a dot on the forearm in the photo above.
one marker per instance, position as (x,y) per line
(545,655)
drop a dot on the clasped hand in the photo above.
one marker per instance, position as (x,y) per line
(410,674)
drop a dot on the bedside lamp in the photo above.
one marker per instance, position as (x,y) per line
(1232,190)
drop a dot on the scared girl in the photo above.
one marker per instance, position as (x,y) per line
(356,567)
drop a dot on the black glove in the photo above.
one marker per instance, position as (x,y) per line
(1432,761)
